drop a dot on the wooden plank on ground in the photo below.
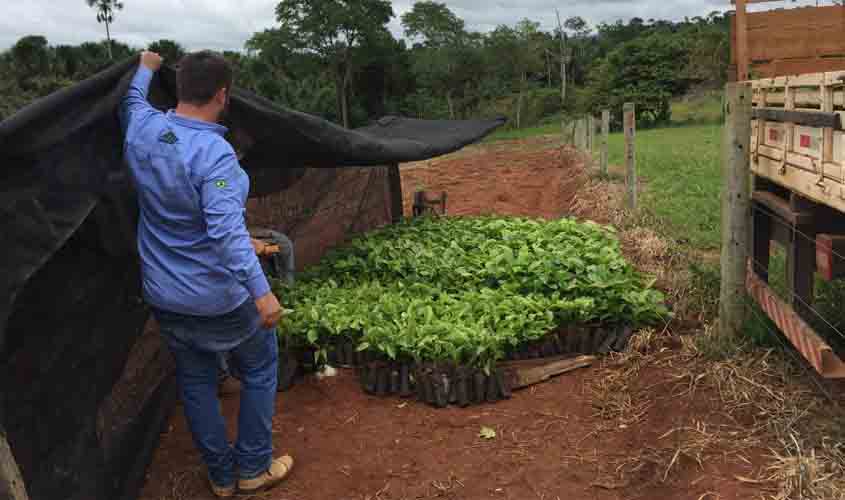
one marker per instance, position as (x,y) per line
(527,376)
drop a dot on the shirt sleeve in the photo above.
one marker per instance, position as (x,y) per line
(223,209)
(134,107)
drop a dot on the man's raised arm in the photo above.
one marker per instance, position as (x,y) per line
(134,105)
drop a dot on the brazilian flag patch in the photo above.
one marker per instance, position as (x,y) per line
(169,138)
(220,184)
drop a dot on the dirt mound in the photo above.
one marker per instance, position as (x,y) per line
(520,179)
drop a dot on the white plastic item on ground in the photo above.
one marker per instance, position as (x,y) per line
(327,371)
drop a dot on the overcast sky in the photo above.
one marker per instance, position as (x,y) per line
(227,24)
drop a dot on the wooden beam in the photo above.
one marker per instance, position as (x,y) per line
(805,118)
(761,243)
(741,41)
(781,208)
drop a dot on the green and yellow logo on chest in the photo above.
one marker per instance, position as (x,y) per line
(169,138)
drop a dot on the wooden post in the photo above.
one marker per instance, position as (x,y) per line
(591,136)
(630,124)
(11,483)
(394,180)
(576,133)
(735,206)
(582,135)
(741,41)
(605,139)
(583,141)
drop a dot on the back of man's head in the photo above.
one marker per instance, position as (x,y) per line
(201,76)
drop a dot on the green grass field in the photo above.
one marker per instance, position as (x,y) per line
(504,135)
(678,166)
(681,178)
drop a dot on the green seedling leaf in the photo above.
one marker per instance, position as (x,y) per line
(466,291)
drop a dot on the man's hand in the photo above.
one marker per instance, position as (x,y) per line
(151,60)
(259,246)
(269,309)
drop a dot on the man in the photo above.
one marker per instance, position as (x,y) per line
(200,271)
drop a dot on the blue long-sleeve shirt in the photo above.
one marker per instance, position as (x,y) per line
(196,254)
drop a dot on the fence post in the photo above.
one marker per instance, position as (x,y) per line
(605,138)
(735,207)
(591,133)
(397,206)
(630,124)
(576,133)
(585,134)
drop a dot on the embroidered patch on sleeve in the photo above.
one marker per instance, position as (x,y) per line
(169,138)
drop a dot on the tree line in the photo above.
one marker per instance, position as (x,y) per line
(338,59)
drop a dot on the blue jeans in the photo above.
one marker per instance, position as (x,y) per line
(197,344)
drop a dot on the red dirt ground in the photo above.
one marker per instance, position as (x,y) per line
(550,444)
(508,178)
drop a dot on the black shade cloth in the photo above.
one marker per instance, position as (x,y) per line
(85,386)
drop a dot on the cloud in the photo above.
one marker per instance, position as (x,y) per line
(227,24)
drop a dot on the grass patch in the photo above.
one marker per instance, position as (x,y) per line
(678,166)
(681,179)
(703,109)
(524,133)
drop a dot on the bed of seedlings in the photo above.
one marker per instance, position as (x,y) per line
(429,307)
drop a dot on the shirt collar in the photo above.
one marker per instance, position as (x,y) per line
(196,124)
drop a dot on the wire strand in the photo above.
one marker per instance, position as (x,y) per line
(808,306)
(799,359)
(774,216)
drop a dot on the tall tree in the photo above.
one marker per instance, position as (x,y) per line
(648,71)
(334,29)
(515,55)
(169,50)
(30,57)
(438,60)
(105,14)
(434,23)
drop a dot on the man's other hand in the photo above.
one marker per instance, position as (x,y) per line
(151,60)
(269,309)
(259,246)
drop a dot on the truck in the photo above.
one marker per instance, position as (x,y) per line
(794,61)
